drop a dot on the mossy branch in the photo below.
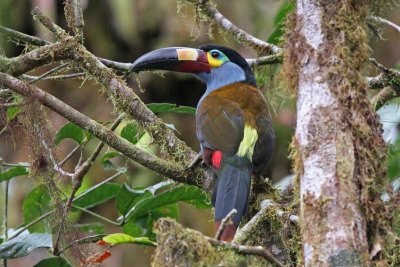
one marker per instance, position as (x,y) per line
(74,15)
(172,251)
(389,80)
(173,170)
(43,55)
(383,97)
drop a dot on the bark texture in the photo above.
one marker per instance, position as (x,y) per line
(338,137)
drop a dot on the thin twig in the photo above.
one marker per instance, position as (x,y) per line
(225,221)
(54,28)
(35,221)
(249,250)
(267,60)
(386,22)
(97,215)
(20,164)
(19,36)
(84,168)
(81,172)
(69,155)
(208,8)
(66,76)
(385,70)
(98,185)
(48,73)
(47,214)
(13,104)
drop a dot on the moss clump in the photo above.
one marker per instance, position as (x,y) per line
(181,247)
(178,246)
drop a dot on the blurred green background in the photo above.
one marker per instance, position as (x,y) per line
(122,30)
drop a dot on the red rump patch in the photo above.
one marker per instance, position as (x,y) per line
(216,159)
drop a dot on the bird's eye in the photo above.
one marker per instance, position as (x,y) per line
(215,54)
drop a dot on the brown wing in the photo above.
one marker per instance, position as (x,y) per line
(264,147)
(220,124)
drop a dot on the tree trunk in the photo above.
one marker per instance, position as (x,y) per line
(335,129)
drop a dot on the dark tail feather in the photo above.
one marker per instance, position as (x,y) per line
(231,192)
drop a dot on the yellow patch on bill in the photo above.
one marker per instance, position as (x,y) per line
(187,54)
(246,147)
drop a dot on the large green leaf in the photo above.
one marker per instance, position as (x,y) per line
(70,131)
(132,132)
(136,228)
(189,194)
(23,245)
(120,238)
(128,197)
(37,203)
(53,262)
(170,108)
(99,195)
(13,172)
(108,164)
(279,20)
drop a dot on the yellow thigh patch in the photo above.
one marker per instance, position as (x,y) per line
(249,140)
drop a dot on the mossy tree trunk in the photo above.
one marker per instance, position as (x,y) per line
(340,151)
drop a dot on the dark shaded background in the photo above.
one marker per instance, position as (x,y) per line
(122,30)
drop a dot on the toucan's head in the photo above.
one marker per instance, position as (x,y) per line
(214,64)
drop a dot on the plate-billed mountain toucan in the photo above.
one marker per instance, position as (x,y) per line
(232,121)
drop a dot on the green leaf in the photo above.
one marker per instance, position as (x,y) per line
(98,196)
(108,164)
(136,228)
(120,238)
(279,20)
(53,262)
(13,172)
(189,194)
(70,131)
(170,108)
(37,203)
(12,112)
(171,210)
(131,132)
(128,197)
(23,245)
